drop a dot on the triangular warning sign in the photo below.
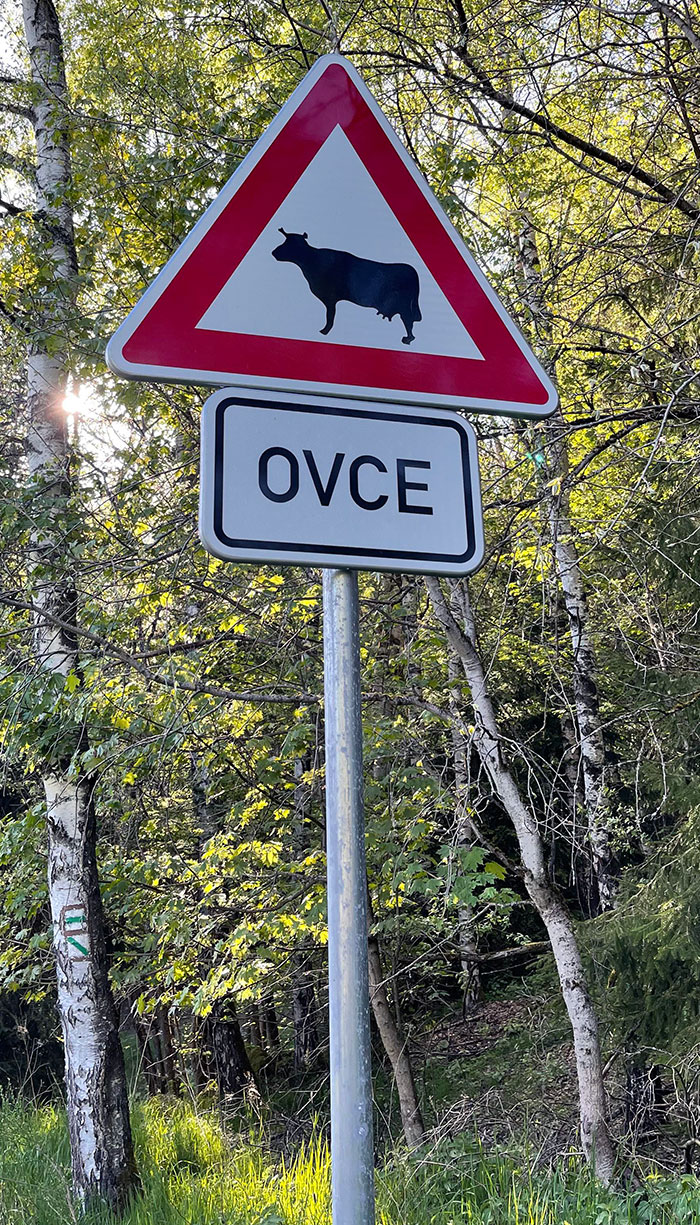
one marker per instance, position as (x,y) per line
(326,265)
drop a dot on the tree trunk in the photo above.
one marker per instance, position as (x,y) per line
(205,818)
(234,1074)
(224,1054)
(168,1060)
(98,1113)
(147,1064)
(306,1037)
(553,474)
(644,1099)
(551,471)
(305,1028)
(396,1047)
(98,1117)
(202,1059)
(463,835)
(397,591)
(270,1029)
(488,741)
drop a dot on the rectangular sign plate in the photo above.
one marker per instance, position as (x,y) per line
(320,483)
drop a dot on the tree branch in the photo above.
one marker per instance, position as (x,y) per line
(16,320)
(12,210)
(535,949)
(684,26)
(17,165)
(552,130)
(16,108)
(557,132)
(167,682)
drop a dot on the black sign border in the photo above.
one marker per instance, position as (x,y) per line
(336,550)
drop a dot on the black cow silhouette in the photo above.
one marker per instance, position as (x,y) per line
(338,276)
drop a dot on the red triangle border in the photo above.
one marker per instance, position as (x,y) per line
(167,337)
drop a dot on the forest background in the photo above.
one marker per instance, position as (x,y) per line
(531,737)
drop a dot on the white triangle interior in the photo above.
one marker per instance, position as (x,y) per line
(337,203)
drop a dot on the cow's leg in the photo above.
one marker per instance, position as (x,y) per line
(330,317)
(408,324)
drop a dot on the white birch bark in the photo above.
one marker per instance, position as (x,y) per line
(98,1115)
(598,785)
(98,1118)
(488,742)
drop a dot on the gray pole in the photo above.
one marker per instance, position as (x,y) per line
(352,1150)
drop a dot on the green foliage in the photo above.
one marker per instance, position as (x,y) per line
(652,948)
(194,1175)
(190,669)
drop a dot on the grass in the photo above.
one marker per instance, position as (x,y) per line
(194,1175)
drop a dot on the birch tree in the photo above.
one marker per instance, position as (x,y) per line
(98,1117)
(553,479)
(598,780)
(489,743)
(395,1044)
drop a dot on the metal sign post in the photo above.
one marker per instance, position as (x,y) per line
(310,480)
(352,1149)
